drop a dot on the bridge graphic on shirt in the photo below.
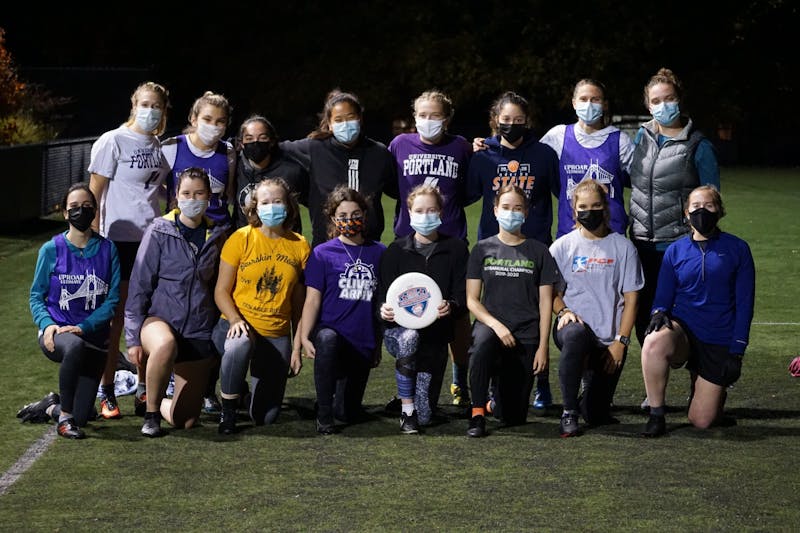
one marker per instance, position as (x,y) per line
(594,172)
(91,287)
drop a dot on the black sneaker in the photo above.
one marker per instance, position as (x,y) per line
(477,426)
(394,405)
(326,428)
(569,425)
(408,423)
(152,427)
(68,429)
(656,426)
(36,412)
(227,422)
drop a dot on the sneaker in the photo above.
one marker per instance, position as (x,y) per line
(645,405)
(394,405)
(408,423)
(227,422)
(543,398)
(211,405)
(460,396)
(69,430)
(326,428)
(109,408)
(569,425)
(36,412)
(656,426)
(140,404)
(152,427)
(477,426)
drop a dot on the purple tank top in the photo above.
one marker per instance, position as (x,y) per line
(217,169)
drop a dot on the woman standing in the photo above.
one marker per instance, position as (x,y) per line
(701,314)
(422,354)
(595,305)
(170,311)
(127,175)
(73,296)
(260,293)
(510,281)
(339,328)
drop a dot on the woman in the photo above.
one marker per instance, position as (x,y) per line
(670,158)
(338,329)
(127,173)
(422,354)
(201,146)
(260,293)
(701,314)
(261,157)
(170,311)
(591,149)
(514,156)
(74,294)
(436,157)
(595,305)
(510,281)
(338,153)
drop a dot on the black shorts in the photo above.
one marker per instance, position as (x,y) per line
(127,255)
(709,361)
(194,349)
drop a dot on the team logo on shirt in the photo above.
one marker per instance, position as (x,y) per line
(576,173)
(358,281)
(514,173)
(414,300)
(583,263)
(268,285)
(90,288)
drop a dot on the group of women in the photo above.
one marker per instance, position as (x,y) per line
(204,302)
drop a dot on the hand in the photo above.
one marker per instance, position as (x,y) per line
(444,308)
(377,356)
(70,329)
(478,144)
(541,360)
(504,334)
(732,369)
(615,354)
(387,313)
(136,355)
(295,363)
(567,317)
(237,329)
(658,320)
(48,337)
(308,348)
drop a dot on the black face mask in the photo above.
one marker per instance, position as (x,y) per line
(512,132)
(81,217)
(704,221)
(591,218)
(257,151)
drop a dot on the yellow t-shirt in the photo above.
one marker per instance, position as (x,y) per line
(266,273)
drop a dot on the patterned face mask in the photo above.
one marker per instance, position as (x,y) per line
(349,227)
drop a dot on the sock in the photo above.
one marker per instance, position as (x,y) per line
(657,411)
(569,412)
(478,411)
(408,409)
(63,417)
(54,411)
(152,414)
(141,388)
(108,390)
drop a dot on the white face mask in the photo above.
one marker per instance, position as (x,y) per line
(191,207)
(429,129)
(147,118)
(210,135)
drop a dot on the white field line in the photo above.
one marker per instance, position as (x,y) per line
(30,456)
(776,323)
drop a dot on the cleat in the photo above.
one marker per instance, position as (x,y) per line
(211,405)
(152,427)
(227,422)
(36,412)
(69,430)
(325,428)
(569,425)
(140,404)
(543,398)
(477,426)
(109,408)
(393,406)
(408,423)
(656,426)
(460,396)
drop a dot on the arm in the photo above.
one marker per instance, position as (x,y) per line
(299,150)
(298,298)
(143,282)
(745,287)
(223,297)
(616,349)
(311,309)
(474,288)
(231,188)
(97,184)
(541,359)
(705,161)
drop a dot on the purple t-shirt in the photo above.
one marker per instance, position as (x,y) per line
(443,165)
(347,277)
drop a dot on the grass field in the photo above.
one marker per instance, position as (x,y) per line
(372,478)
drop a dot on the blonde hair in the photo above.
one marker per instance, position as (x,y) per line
(440,98)
(423,189)
(163,94)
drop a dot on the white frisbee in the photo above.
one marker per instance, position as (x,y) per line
(415,298)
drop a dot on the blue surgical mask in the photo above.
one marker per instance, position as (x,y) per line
(589,112)
(510,220)
(425,223)
(347,131)
(147,118)
(272,215)
(666,112)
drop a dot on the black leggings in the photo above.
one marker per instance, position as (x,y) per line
(340,377)
(79,375)
(651,264)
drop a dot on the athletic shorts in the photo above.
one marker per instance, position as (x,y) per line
(127,255)
(193,349)
(709,361)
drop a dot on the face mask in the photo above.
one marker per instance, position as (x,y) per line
(210,135)
(147,118)
(346,132)
(425,223)
(704,221)
(511,132)
(349,227)
(666,112)
(81,217)
(510,220)
(272,215)
(192,208)
(591,218)
(429,129)
(589,112)
(257,151)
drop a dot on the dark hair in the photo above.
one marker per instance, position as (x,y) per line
(271,131)
(516,189)
(292,207)
(342,193)
(508,97)
(664,75)
(79,186)
(592,186)
(589,81)
(194,173)
(334,97)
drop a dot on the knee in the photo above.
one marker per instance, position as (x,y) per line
(657,346)
(700,421)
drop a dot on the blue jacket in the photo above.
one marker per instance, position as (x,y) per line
(713,291)
(533,166)
(172,283)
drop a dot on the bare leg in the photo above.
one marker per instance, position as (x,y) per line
(191,378)
(707,403)
(159,344)
(115,334)
(661,349)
